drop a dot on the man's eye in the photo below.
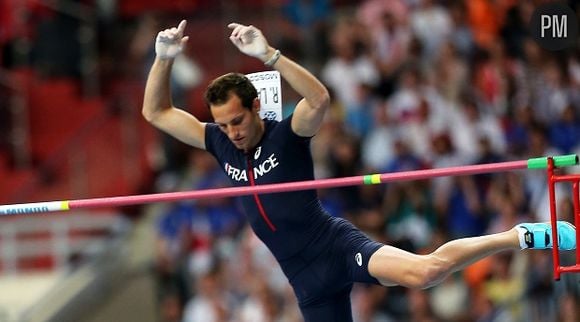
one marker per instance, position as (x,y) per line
(237,121)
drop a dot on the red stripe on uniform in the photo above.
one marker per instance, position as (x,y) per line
(257,199)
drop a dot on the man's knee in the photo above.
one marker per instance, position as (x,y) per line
(430,273)
(392,266)
(436,270)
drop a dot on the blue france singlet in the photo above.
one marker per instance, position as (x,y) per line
(286,222)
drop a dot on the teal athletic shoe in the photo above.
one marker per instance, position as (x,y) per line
(539,235)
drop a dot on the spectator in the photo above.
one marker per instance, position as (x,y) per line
(432,25)
(349,70)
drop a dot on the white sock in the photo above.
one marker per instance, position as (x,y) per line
(521,236)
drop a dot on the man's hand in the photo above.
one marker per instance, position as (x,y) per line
(250,41)
(170,42)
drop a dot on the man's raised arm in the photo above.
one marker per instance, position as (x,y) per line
(158,108)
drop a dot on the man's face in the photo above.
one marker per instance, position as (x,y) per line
(241,125)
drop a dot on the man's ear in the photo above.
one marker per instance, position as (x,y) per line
(256,105)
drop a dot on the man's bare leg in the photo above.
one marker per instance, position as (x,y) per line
(393,266)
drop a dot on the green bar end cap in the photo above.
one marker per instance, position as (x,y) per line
(538,163)
(559,161)
(566,160)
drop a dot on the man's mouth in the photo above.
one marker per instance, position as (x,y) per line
(239,140)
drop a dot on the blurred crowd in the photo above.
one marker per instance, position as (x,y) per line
(416,84)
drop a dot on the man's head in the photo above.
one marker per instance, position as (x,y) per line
(233,102)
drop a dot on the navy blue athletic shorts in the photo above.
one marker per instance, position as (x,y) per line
(323,284)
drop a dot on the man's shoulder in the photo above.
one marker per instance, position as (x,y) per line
(216,141)
(212,131)
(282,126)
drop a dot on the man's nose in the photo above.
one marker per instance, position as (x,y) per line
(233,131)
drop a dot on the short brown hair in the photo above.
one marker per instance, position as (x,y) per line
(220,90)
